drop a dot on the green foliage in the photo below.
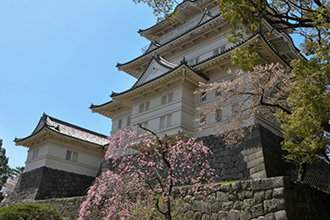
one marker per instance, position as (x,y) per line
(30,211)
(162,8)
(245,58)
(15,172)
(4,168)
(306,129)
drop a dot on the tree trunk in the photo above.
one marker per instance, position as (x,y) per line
(168,213)
(301,168)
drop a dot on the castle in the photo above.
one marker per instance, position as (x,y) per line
(63,159)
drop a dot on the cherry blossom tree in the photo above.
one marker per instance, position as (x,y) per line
(8,188)
(246,96)
(146,171)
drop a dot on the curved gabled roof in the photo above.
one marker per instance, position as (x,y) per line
(161,61)
(120,65)
(140,31)
(152,46)
(47,123)
(183,63)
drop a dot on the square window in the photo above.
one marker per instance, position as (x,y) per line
(35,154)
(169,121)
(163,101)
(128,122)
(217,93)
(68,155)
(141,108)
(120,121)
(162,123)
(202,121)
(170,97)
(218,115)
(147,106)
(75,157)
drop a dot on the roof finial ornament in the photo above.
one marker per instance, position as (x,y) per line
(183,61)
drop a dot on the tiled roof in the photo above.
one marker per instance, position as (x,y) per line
(184,1)
(68,130)
(171,40)
(183,62)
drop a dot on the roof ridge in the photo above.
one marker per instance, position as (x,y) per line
(75,126)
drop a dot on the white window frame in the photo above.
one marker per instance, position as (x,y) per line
(128,122)
(35,154)
(167,98)
(165,121)
(218,115)
(71,156)
(144,107)
(120,123)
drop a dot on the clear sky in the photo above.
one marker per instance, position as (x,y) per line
(58,57)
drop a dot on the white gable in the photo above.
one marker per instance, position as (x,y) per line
(157,67)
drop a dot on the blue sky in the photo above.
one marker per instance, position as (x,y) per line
(58,57)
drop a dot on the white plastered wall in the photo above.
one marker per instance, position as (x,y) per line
(53,155)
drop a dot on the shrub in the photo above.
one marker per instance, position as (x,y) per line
(29,211)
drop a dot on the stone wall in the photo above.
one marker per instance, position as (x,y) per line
(44,183)
(276,198)
(258,156)
(68,208)
(270,199)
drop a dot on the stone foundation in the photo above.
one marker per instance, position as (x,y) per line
(258,156)
(45,183)
(275,198)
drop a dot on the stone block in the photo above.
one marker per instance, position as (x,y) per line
(259,197)
(216,207)
(189,199)
(245,184)
(248,194)
(226,206)
(278,192)
(222,197)
(197,206)
(236,186)
(198,216)
(257,210)
(248,203)
(206,207)
(238,205)
(225,188)
(223,215)
(270,216)
(214,216)
(274,205)
(245,215)
(234,214)
(268,194)
(189,215)
(206,217)
(281,215)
